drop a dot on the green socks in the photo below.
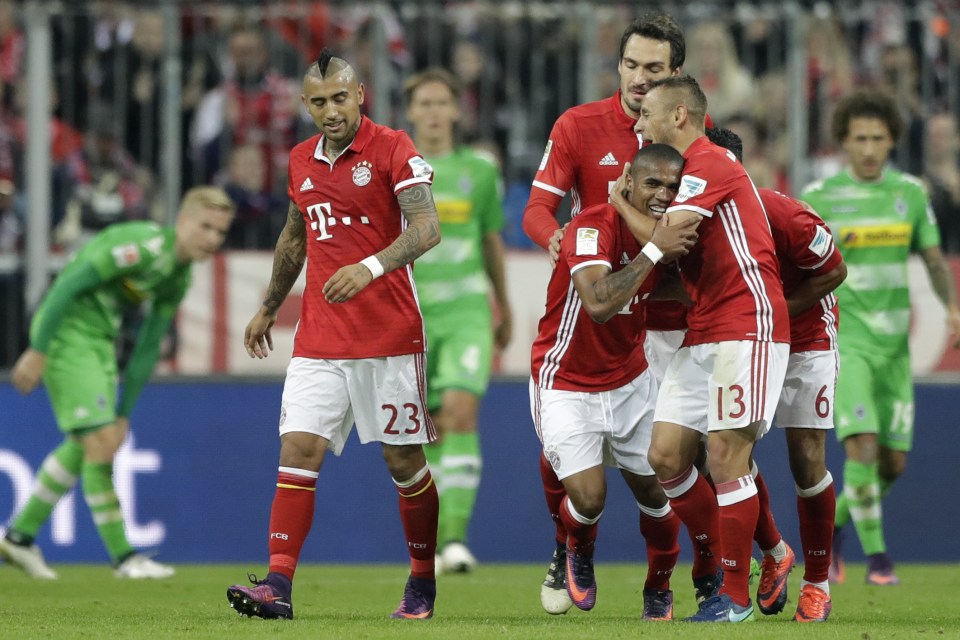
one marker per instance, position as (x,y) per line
(458,481)
(56,477)
(105,508)
(861,503)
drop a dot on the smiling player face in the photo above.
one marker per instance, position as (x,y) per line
(653,185)
(644,60)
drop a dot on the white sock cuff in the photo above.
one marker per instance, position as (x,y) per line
(817,488)
(677,490)
(303,473)
(578,517)
(660,513)
(735,491)
(417,477)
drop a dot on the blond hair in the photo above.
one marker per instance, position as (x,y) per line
(206,197)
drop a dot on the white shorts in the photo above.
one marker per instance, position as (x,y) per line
(660,347)
(386,397)
(723,385)
(580,430)
(806,401)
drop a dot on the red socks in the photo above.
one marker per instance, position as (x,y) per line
(419,510)
(739,510)
(554,492)
(581,531)
(291,518)
(661,534)
(695,503)
(766,533)
(816,507)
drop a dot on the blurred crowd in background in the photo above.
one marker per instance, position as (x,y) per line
(522,64)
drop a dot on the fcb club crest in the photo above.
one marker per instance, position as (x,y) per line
(362,173)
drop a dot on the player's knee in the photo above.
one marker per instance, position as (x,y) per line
(589,502)
(892,466)
(404,461)
(666,463)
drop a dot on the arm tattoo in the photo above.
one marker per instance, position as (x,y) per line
(422,232)
(621,285)
(288,259)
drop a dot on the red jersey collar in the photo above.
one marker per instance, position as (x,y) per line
(360,139)
(697,145)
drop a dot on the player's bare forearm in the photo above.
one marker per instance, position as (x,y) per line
(422,232)
(945,288)
(288,259)
(606,296)
(811,290)
(940,276)
(493,260)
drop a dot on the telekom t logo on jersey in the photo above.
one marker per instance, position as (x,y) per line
(322,218)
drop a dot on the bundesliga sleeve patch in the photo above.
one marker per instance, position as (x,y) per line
(821,243)
(690,186)
(420,167)
(587,241)
(125,255)
(546,155)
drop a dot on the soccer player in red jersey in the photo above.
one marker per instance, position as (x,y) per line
(585,156)
(811,268)
(591,393)
(361,211)
(726,378)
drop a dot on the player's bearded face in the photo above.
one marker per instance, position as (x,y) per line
(868,145)
(654,121)
(644,60)
(334,105)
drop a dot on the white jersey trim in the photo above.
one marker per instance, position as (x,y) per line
(749,268)
(568,322)
(589,263)
(403,184)
(706,213)
(547,187)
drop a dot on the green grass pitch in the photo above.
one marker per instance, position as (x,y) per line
(496,601)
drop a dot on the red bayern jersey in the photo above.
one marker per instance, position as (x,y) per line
(585,154)
(573,352)
(805,249)
(732,274)
(350,208)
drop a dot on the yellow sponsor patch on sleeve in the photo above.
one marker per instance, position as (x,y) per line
(885,235)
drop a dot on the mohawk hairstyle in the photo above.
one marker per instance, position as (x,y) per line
(324,61)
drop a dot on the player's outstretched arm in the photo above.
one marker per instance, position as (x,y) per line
(288,259)
(493,263)
(945,288)
(422,233)
(811,290)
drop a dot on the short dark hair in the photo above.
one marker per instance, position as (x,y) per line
(867,103)
(657,152)
(727,139)
(431,74)
(694,98)
(661,27)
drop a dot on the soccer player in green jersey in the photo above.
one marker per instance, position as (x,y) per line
(878,216)
(72,349)
(453,285)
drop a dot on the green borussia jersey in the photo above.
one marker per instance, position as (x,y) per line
(451,278)
(135,262)
(876,226)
